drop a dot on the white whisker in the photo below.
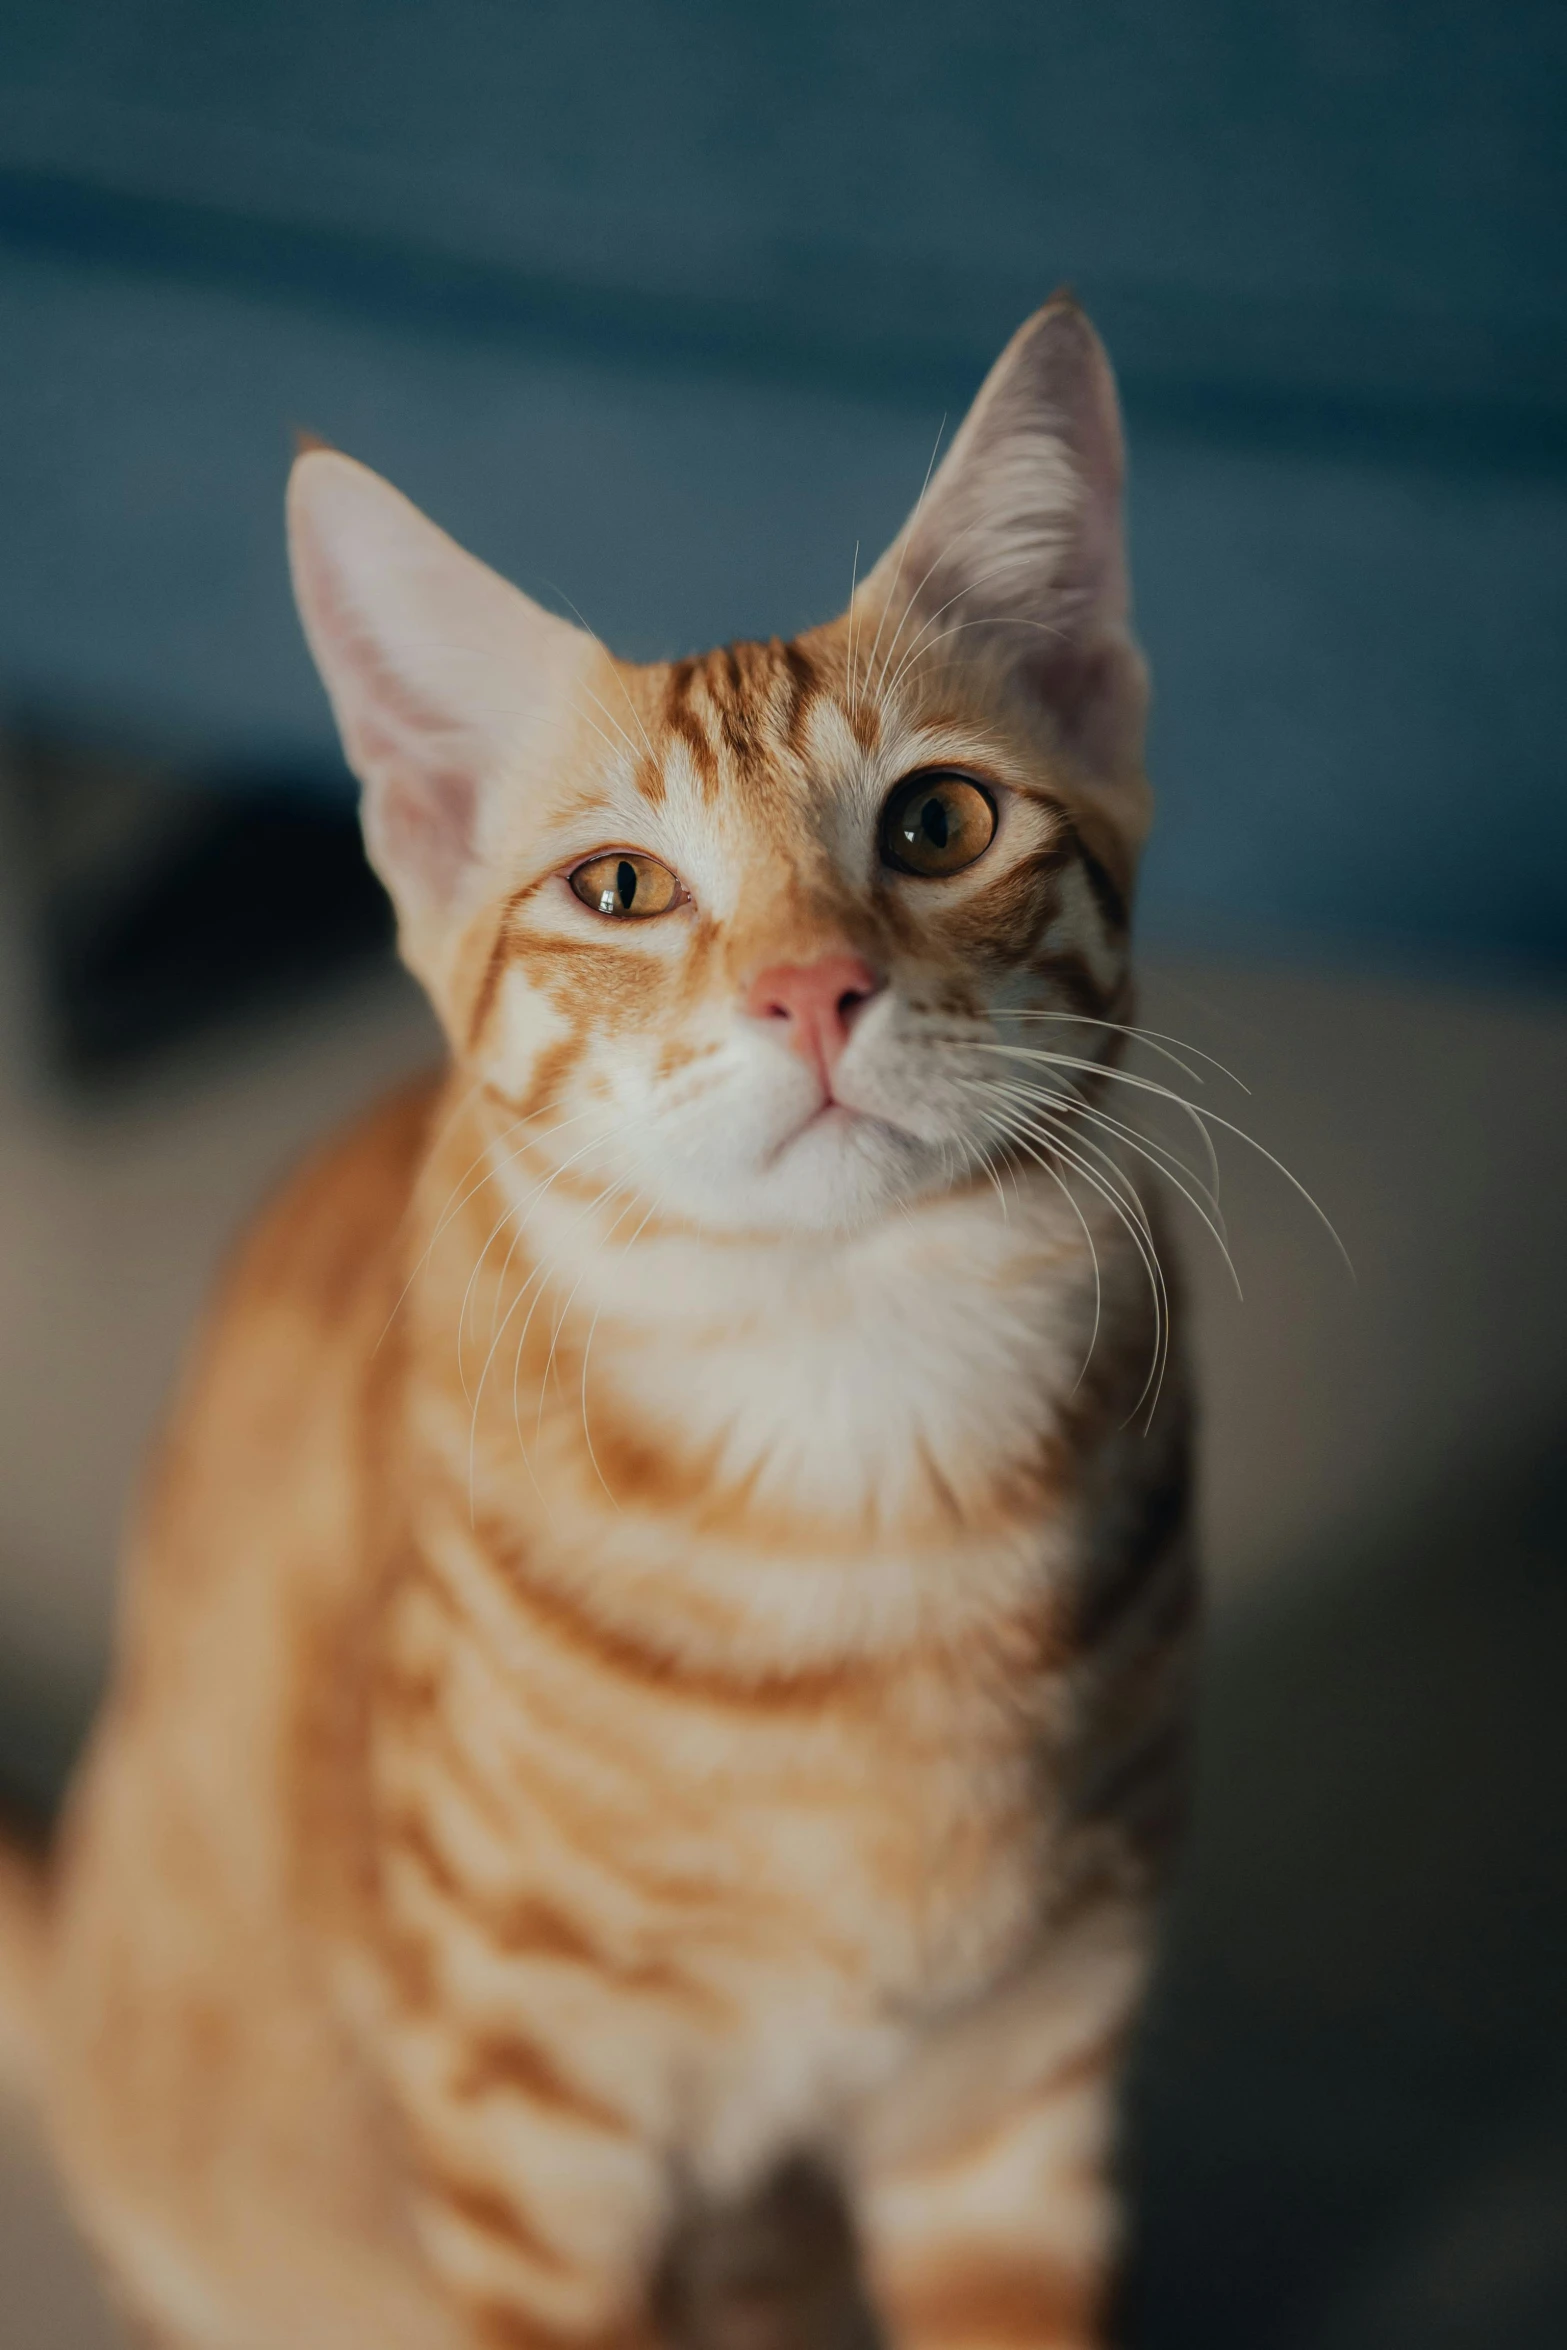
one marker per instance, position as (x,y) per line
(1145,1149)
(905,537)
(1016,1129)
(985,620)
(455,1206)
(1154,1038)
(931,568)
(1150,1085)
(850,696)
(587,628)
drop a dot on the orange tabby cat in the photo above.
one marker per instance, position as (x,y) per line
(656,1651)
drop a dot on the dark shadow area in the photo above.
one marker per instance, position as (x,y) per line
(40,1738)
(1349,2119)
(163,910)
(778,2272)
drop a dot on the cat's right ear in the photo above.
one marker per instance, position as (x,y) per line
(450,687)
(1014,561)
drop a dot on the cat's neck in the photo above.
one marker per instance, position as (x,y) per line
(624,1384)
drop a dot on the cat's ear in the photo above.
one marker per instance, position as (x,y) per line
(1015,558)
(449,686)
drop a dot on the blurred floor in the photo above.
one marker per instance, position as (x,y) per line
(1351,2115)
(1350,2118)
(49,2298)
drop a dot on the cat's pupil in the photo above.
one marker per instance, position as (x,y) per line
(626,882)
(933,822)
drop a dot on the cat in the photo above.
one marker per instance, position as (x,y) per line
(654,1669)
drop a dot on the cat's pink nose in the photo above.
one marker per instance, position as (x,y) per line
(818,1001)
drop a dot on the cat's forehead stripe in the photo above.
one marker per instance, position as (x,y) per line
(680,718)
(741,707)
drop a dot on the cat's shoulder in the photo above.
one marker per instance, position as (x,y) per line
(282,1367)
(318,1265)
(338,1212)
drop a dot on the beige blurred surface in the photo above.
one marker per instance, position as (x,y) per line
(49,2299)
(1428,1123)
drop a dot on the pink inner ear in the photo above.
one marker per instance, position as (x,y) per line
(422,823)
(447,683)
(421,804)
(421,808)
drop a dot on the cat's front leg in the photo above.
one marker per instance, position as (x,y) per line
(542,2221)
(987,2213)
(1003,2244)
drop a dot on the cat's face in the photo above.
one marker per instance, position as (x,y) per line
(755,939)
(735,940)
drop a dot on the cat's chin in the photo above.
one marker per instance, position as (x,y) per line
(839,1171)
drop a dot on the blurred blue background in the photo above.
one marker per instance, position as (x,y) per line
(660,308)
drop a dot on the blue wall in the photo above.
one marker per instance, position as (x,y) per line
(660,307)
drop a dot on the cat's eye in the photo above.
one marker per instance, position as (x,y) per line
(625,886)
(937,824)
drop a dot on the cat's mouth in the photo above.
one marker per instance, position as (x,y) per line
(832,1116)
(829,1116)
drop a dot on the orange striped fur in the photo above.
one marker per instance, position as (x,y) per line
(654,1657)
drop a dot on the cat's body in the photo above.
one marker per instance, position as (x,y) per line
(657,1645)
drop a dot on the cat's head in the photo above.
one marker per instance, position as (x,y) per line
(737,933)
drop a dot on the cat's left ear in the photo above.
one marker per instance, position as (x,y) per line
(1015,560)
(451,688)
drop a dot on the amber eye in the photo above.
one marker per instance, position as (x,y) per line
(936,824)
(625,886)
